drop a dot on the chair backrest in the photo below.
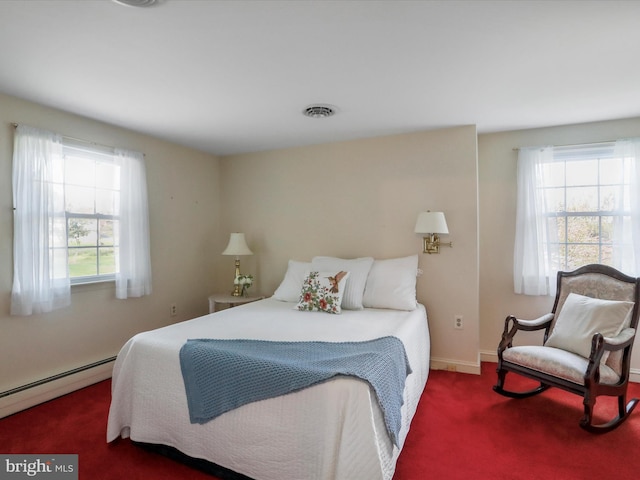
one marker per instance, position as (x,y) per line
(604,282)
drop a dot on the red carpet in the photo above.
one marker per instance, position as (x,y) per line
(462,430)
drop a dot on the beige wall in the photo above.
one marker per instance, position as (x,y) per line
(184,204)
(497,175)
(362,198)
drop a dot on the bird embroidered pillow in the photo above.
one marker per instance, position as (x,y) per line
(323,291)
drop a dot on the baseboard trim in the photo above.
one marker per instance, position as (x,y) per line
(488,356)
(34,393)
(454,365)
(492,356)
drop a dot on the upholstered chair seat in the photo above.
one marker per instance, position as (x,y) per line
(557,362)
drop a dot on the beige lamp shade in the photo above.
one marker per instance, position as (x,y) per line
(237,246)
(431,222)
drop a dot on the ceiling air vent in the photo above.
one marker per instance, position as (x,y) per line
(136,3)
(319,111)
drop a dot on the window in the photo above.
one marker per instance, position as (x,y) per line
(91,185)
(80,214)
(576,205)
(586,190)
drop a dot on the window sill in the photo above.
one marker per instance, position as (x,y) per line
(91,283)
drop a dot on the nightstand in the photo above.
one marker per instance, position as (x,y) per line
(228,299)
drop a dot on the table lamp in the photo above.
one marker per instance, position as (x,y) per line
(237,246)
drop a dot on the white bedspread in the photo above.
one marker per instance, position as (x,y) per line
(331,431)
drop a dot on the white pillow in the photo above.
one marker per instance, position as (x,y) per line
(358,269)
(581,317)
(289,289)
(392,284)
(323,291)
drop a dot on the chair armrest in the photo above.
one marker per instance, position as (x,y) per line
(536,324)
(624,338)
(599,344)
(513,324)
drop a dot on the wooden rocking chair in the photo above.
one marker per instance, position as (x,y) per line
(588,338)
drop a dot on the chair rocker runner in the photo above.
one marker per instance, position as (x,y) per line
(588,338)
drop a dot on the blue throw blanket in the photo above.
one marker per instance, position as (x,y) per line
(220,375)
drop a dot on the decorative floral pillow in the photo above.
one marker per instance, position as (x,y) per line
(323,291)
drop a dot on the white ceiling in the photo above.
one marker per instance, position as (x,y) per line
(234,76)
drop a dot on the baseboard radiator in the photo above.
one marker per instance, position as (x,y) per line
(30,394)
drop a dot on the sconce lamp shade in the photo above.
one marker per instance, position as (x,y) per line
(237,245)
(431,222)
(430,225)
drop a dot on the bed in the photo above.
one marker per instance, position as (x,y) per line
(332,430)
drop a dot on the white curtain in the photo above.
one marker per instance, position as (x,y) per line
(40,271)
(627,258)
(533,272)
(133,255)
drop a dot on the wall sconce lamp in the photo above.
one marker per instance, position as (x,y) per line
(431,224)
(237,246)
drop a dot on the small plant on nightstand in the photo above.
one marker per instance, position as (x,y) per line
(244,281)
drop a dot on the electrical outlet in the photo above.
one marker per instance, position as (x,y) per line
(457,322)
(173,309)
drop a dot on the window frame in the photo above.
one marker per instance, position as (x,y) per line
(90,153)
(582,153)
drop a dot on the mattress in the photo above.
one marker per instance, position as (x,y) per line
(330,431)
